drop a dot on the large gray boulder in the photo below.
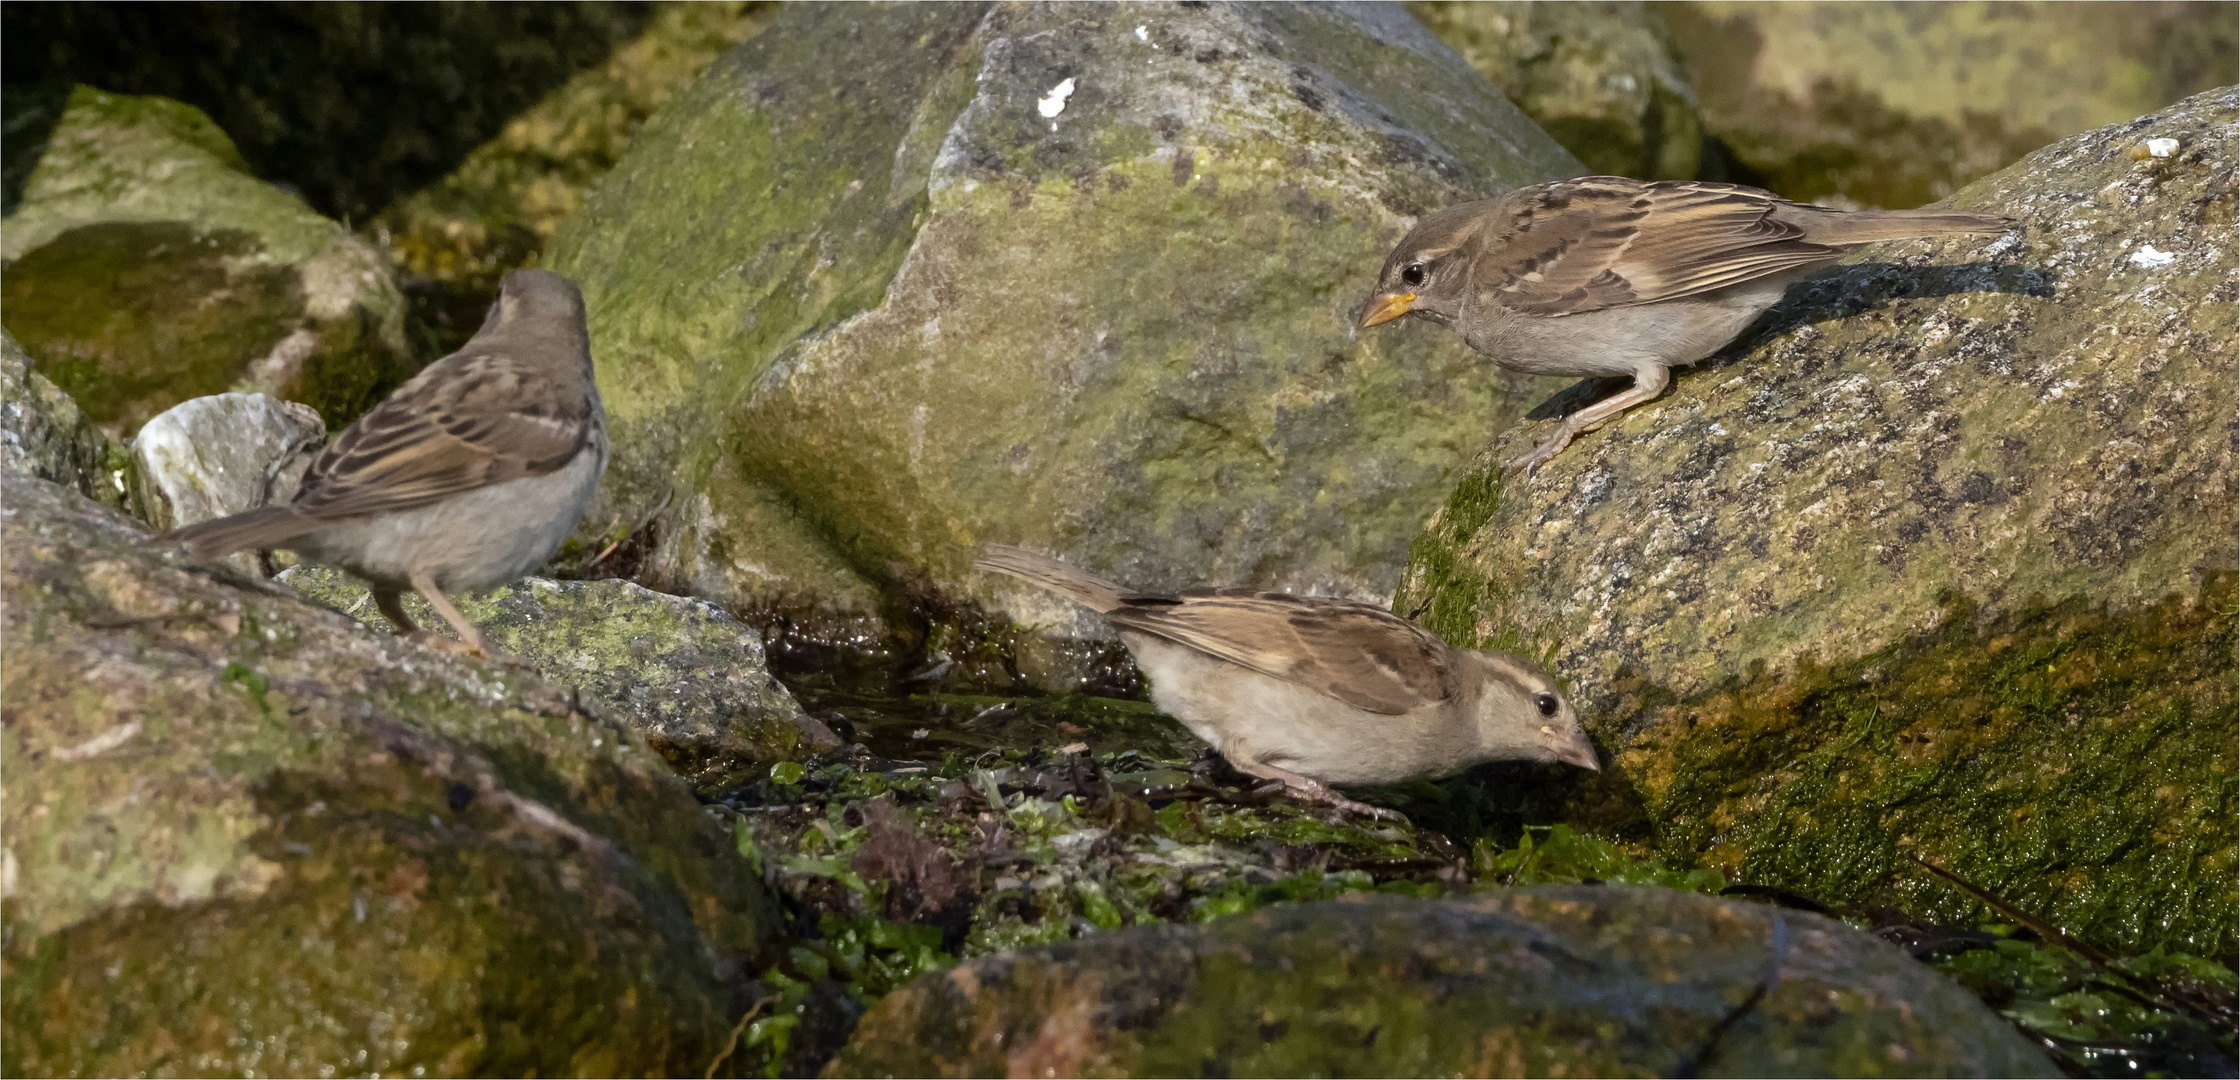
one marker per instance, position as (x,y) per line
(1552,981)
(146,266)
(887,283)
(1939,565)
(247,835)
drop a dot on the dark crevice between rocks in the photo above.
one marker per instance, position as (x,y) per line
(350,105)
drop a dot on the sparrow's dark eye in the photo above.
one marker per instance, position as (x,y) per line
(1413,275)
(1546,703)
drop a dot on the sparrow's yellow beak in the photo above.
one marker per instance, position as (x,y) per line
(1385,307)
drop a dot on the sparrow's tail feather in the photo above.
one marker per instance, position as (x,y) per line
(260,528)
(1067,581)
(1868,226)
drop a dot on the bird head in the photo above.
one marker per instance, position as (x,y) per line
(535,295)
(1429,273)
(1523,715)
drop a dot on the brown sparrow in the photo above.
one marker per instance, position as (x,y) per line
(469,475)
(1313,691)
(1604,276)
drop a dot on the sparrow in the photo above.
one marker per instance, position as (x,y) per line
(1607,276)
(469,475)
(1313,691)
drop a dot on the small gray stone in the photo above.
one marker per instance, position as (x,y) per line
(224,454)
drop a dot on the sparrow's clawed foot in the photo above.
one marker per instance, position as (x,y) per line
(1307,789)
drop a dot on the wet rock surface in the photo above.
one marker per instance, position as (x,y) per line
(684,675)
(1937,564)
(1081,278)
(1537,982)
(146,266)
(250,836)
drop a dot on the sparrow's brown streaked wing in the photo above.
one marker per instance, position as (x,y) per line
(1605,241)
(1368,658)
(469,421)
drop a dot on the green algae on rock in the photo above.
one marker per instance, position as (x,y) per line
(44,434)
(1600,77)
(247,835)
(1560,980)
(146,266)
(1939,564)
(688,678)
(887,283)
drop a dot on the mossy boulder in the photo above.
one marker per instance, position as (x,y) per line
(887,283)
(44,434)
(1553,981)
(687,677)
(1937,564)
(146,266)
(1897,105)
(456,237)
(247,835)
(1602,78)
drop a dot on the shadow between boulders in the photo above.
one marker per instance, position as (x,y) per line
(351,105)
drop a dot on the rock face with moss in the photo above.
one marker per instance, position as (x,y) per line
(1558,981)
(146,266)
(684,675)
(247,835)
(889,283)
(44,434)
(1939,564)
(1897,105)
(456,238)
(1600,77)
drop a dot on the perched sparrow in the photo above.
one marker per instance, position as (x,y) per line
(468,476)
(1313,691)
(1608,276)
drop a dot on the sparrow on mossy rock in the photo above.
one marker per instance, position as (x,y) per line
(1607,276)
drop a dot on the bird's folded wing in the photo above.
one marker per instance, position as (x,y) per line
(469,421)
(1367,658)
(1602,242)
